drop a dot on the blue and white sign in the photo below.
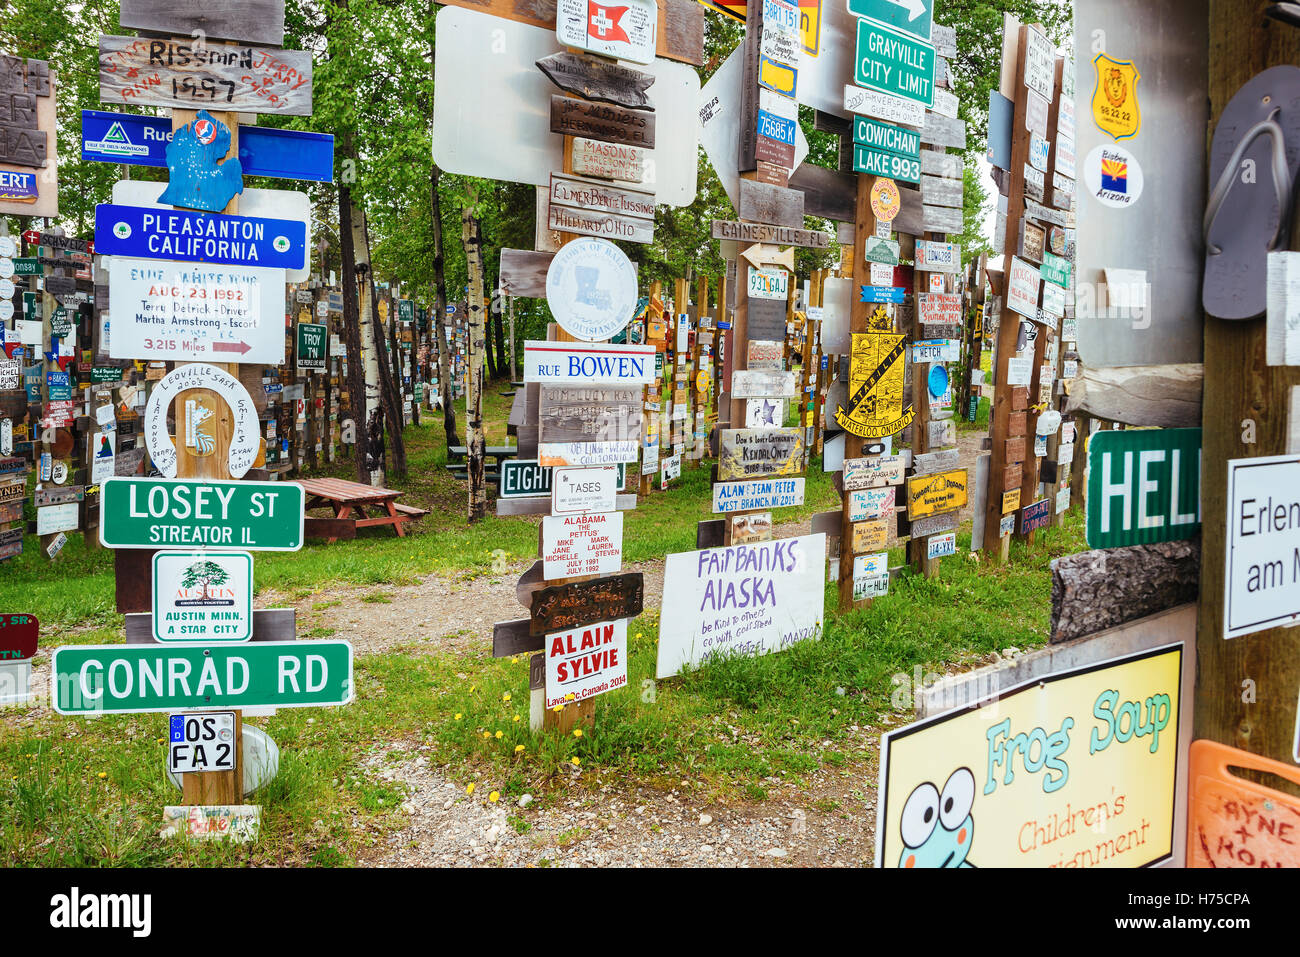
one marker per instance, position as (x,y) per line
(149,233)
(890,294)
(263,151)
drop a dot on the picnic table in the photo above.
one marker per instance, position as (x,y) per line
(345,498)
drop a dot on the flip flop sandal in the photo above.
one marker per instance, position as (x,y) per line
(1246,221)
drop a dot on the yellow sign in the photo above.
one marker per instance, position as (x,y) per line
(702,382)
(1074,770)
(1010,501)
(875,400)
(1114,101)
(810,19)
(777,76)
(870,536)
(886,200)
(933,494)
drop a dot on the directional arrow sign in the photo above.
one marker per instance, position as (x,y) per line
(133,679)
(910,16)
(761,254)
(894,63)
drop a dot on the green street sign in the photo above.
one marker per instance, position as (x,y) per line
(406,310)
(1144,486)
(894,63)
(312,340)
(134,679)
(27,266)
(527,479)
(908,16)
(166,513)
(1056,270)
(886,138)
(102,374)
(892,165)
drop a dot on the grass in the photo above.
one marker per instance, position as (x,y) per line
(89,792)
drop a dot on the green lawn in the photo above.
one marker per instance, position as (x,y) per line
(90,791)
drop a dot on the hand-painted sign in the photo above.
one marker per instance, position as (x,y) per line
(1022,288)
(575,362)
(585,661)
(573,605)
(201,175)
(135,679)
(764,233)
(963,789)
(1261,587)
(750,453)
(755,495)
(740,600)
(932,494)
(595,79)
(609,160)
(202,596)
(875,388)
(578,490)
(883,294)
(147,233)
(883,106)
(870,536)
(591,287)
(893,63)
(157,513)
(586,454)
(587,413)
(752,384)
(164,310)
(577,193)
(574,545)
(1035,516)
(624,31)
(182,75)
(1143,487)
(602,121)
(18,636)
(871,503)
(874,472)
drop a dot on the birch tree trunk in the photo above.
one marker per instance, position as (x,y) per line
(356,378)
(389,397)
(476,336)
(370,339)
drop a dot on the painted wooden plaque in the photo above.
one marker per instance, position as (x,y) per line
(584,603)
(589,413)
(754,453)
(602,121)
(932,494)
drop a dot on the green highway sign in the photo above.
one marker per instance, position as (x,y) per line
(1144,486)
(910,16)
(526,479)
(886,164)
(165,513)
(406,310)
(312,339)
(886,138)
(894,63)
(1055,269)
(133,679)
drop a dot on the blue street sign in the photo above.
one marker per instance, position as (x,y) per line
(891,294)
(148,233)
(263,151)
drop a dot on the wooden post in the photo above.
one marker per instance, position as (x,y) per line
(917,545)
(700,401)
(1246,687)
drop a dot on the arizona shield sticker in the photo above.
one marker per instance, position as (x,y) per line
(875,407)
(1114,101)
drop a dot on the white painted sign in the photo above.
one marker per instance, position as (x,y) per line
(585,454)
(759,494)
(574,545)
(594,362)
(1019,371)
(245,439)
(57,518)
(1262,567)
(578,490)
(749,599)
(591,287)
(1022,288)
(191,311)
(584,662)
(1040,64)
(883,106)
(868,503)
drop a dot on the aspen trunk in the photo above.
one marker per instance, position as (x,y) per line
(475,334)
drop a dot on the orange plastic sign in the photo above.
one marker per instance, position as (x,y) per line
(1233,822)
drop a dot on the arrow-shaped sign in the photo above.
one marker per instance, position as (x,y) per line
(913,17)
(241,347)
(761,254)
(914,8)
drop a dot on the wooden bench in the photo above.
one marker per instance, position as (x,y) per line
(458,453)
(349,502)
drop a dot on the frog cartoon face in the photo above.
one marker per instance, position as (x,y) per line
(937,827)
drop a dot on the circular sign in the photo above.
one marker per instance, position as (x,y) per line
(591,289)
(245,439)
(885,199)
(1113,176)
(701,382)
(6,308)
(7,247)
(122,230)
(6,267)
(59,472)
(938,379)
(205,131)
(6,288)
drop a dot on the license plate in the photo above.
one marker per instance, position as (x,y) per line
(203,741)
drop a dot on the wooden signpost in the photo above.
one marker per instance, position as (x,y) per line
(597,79)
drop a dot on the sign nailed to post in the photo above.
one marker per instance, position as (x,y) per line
(1143,486)
(584,662)
(894,63)
(1261,579)
(624,30)
(202,596)
(156,513)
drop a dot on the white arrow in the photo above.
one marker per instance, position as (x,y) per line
(914,8)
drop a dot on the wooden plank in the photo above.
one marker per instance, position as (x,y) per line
(940,219)
(909,219)
(574,604)
(340,528)
(577,193)
(523,273)
(1168,396)
(747,141)
(229,77)
(943,131)
(679,34)
(764,203)
(269,624)
(589,413)
(598,79)
(767,319)
(602,121)
(757,453)
(826,193)
(541,505)
(607,160)
(511,638)
(245,21)
(588,222)
(940,191)
(771,173)
(764,233)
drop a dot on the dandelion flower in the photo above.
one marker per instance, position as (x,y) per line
(576,761)
(459,715)
(516,717)
(469,788)
(101,774)
(569,696)
(487,734)
(577,732)
(494,796)
(498,735)
(518,748)
(506,696)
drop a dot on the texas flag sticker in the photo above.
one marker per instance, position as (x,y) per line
(625,29)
